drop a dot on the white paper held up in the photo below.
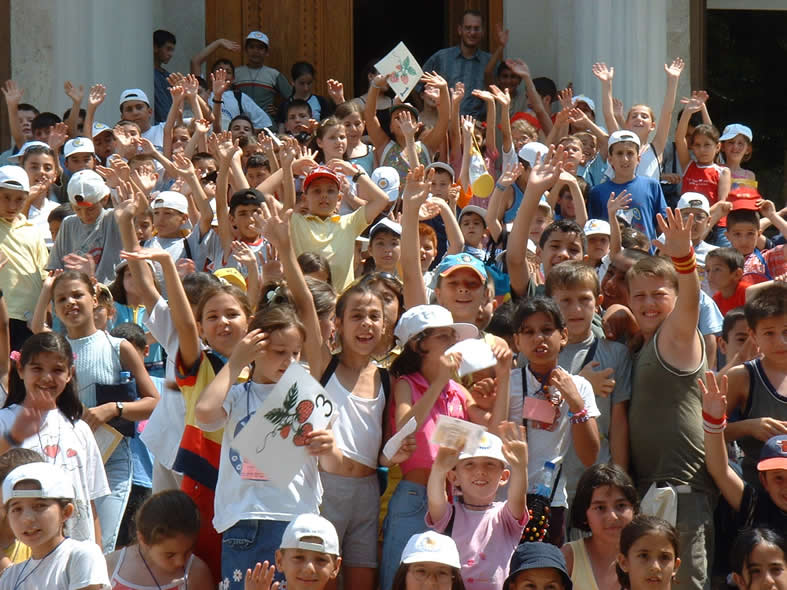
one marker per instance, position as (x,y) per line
(476,355)
(395,442)
(457,434)
(405,73)
(275,437)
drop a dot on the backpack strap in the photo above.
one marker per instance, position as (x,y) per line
(239,97)
(761,258)
(449,528)
(329,370)
(187,248)
(591,353)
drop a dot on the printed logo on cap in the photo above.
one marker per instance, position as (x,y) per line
(695,203)
(485,443)
(782,444)
(465,258)
(77,142)
(383,183)
(427,543)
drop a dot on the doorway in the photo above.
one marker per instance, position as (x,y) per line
(379,26)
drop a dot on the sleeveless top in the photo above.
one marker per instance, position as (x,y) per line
(451,402)
(764,401)
(703,180)
(666,413)
(118,583)
(582,574)
(97,360)
(366,162)
(392,156)
(510,214)
(358,429)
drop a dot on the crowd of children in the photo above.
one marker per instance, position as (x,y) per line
(160,275)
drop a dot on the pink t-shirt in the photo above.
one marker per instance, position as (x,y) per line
(486,540)
(451,402)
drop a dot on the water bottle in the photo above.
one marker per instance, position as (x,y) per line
(541,483)
(125,376)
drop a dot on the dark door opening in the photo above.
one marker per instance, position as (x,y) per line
(379,26)
(746,53)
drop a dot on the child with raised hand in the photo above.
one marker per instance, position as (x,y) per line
(606,501)
(43,171)
(359,153)
(702,174)
(167,526)
(759,559)
(641,119)
(648,558)
(39,500)
(43,413)
(391,143)
(308,557)
(665,301)
(558,408)
(221,319)
(487,531)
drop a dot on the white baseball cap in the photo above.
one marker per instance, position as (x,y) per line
(596,227)
(422,317)
(171,200)
(52,482)
(586,100)
(259,36)
(473,209)
(99,128)
(17,157)
(532,151)
(385,223)
(543,202)
(387,179)
(734,129)
(623,135)
(78,145)
(694,201)
(441,166)
(86,188)
(134,94)
(311,525)
(431,547)
(14,178)
(490,445)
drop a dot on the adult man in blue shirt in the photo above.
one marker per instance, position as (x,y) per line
(464,62)
(163,48)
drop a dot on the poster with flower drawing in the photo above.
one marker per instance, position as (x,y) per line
(403,68)
(274,440)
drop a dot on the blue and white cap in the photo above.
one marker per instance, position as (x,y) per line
(490,445)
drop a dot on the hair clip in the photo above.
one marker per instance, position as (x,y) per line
(15,356)
(271,295)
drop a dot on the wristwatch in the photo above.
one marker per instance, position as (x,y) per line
(119,406)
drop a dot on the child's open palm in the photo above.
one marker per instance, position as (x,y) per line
(457,92)
(694,104)
(152,254)
(434,79)
(501,96)
(514,437)
(714,395)
(674,69)
(603,72)
(546,171)
(97,94)
(220,84)
(446,459)
(336,91)
(519,67)
(273,227)
(12,92)
(677,234)
(261,578)
(416,187)
(75,93)
(510,174)
(58,136)
(617,203)
(408,126)
(243,253)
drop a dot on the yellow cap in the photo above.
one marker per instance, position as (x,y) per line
(231,276)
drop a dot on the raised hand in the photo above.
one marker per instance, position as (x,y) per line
(96,95)
(484,95)
(519,67)
(446,459)
(152,254)
(578,118)
(501,96)
(225,147)
(250,346)
(617,109)
(408,126)
(229,45)
(380,82)
(243,253)
(183,166)
(12,92)
(75,93)
(546,171)
(190,85)
(432,93)
(510,174)
(468,125)
(677,234)
(694,104)
(218,80)
(617,203)
(674,69)
(273,227)
(175,79)
(201,126)
(83,264)
(514,437)
(566,97)
(177,93)
(429,209)
(714,395)
(457,92)
(261,578)
(336,91)
(416,186)
(602,72)
(58,136)
(766,207)
(434,79)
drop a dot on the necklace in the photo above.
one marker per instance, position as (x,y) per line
(142,557)
(20,580)
(477,506)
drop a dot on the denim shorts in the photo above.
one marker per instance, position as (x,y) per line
(405,518)
(246,543)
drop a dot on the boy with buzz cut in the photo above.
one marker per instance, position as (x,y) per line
(385,245)
(724,270)
(472,222)
(665,410)
(647,198)
(92,230)
(758,388)
(22,247)
(743,231)
(259,81)
(308,556)
(606,364)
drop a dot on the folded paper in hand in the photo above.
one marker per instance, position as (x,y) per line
(476,355)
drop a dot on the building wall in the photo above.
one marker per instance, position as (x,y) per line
(92,41)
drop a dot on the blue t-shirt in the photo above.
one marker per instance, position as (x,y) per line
(647,199)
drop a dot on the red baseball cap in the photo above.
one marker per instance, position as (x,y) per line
(746,204)
(318,173)
(527,117)
(745,192)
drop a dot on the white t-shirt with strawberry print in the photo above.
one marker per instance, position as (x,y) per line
(242,492)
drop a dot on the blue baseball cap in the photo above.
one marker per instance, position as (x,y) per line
(529,556)
(773,454)
(453,262)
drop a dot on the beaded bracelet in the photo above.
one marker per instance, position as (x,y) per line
(579,417)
